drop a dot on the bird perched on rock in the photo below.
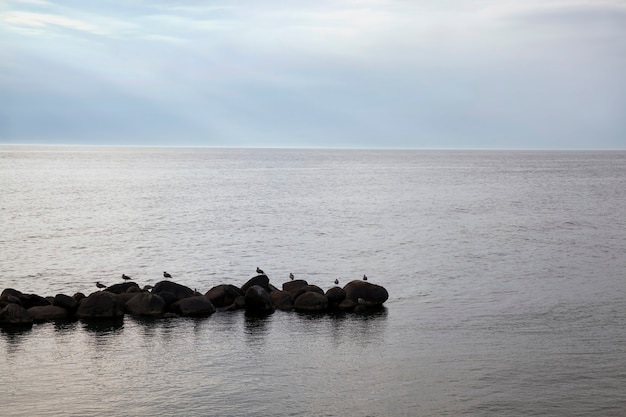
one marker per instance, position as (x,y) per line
(291,276)
(166,275)
(148,287)
(364,277)
(126,277)
(100,285)
(336,281)
(259,271)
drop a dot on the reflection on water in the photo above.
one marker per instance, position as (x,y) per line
(103,326)
(14,337)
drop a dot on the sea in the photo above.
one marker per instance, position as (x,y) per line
(506,273)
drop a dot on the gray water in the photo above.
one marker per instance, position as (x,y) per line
(506,273)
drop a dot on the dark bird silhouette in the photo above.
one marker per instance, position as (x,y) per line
(336,281)
(364,277)
(290,276)
(166,275)
(126,277)
(259,271)
(100,285)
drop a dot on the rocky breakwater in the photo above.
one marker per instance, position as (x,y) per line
(171,299)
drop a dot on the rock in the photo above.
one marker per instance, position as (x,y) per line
(371,295)
(239,303)
(15,315)
(101,305)
(335,296)
(347,305)
(145,304)
(295,285)
(48,313)
(168,297)
(194,306)
(308,288)
(258,300)
(311,302)
(178,290)
(79,296)
(134,289)
(127,296)
(282,300)
(66,302)
(223,295)
(10,292)
(261,280)
(33,300)
(122,287)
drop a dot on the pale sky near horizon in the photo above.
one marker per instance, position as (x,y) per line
(533,74)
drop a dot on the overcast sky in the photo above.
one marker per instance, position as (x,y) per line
(301,73)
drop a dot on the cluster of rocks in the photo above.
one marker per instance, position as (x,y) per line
(170,299)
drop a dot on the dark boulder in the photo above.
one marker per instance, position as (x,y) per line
(258,300)
(79,296)
(308,288)
(198,305)
(180,291)
(335,296)
(145,304)
(168,297)
(311,302)
(127,296)
(15,315)
(101,305)
(366,293)
(223,295)
(11,295)
(48,313)
(261,280)
(282,300)
(66,302)
(295,285)
(239,303)
(33,300)
(347,305)
(122,287)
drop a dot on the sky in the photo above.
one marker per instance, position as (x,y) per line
(444,74)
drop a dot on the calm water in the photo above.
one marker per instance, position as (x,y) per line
(506,273)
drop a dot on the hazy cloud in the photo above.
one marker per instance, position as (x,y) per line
(329,73)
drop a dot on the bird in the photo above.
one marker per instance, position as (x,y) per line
(259,271)
(166,275)
(364,277)
(336,281)
(125,277)
(291,276)
(100,285)
(148,287)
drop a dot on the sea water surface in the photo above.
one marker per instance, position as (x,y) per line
(506,272)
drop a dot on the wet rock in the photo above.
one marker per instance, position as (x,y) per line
(15,315)
(294,286)
(311,302)
(258,300)
(335,296)
(101,305)
(66,302)
(347,305)
(223,295)
(42,314)
(33,300)
(261,280)
(308,288)
(10,292)
(371,295)
(79,296)
(122,287)
(194,306)
(145,304)
(178,290)
(282,300)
